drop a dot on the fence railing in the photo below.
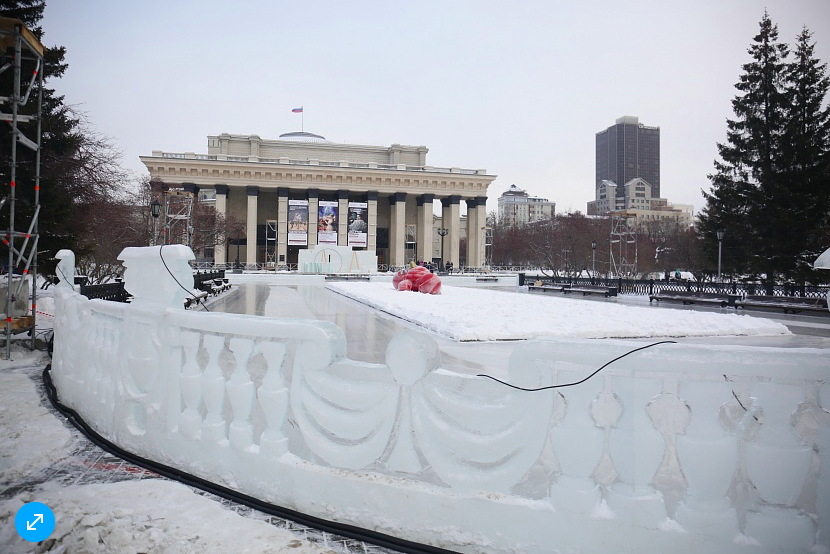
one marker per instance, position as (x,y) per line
(680,448)
(113,292)
(652,286)
(116,292)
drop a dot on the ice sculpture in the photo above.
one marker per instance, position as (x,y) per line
(273,408)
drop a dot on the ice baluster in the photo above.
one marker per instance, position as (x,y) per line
(709,458)
(213,390)
(823,492)
(190,382)
(777,461)
(272,396)
(637,449)
(575,490)
(241,395)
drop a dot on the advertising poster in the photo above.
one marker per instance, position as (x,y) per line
(298,222)
(327,222)
(358,223)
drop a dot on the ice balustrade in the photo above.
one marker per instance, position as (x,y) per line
(686,447)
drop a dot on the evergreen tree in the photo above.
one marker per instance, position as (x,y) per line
(78,168)
(805,149)
(759,193)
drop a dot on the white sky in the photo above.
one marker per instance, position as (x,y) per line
(517,88)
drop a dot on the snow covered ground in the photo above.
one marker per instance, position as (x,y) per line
(467,314)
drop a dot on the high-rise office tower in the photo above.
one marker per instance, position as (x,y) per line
(628,150)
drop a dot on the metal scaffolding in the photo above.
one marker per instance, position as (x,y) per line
(178,217)
(623,240)
(22,52)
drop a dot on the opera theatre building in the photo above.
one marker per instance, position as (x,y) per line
(302,190)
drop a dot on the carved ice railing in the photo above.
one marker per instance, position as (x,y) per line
(682,447)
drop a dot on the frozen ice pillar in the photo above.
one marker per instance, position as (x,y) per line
(158,276)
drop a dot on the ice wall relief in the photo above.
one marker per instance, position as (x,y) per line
(712,443)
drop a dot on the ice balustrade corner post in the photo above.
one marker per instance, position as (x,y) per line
(158,276)
(66,269)
(67,321)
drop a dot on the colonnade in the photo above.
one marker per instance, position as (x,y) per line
(392,211)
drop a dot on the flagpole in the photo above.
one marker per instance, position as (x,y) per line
(302,120)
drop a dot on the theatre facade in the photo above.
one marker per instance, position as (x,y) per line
(302,190)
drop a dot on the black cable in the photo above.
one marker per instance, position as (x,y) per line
(177,281)
(583,380)
(343,529)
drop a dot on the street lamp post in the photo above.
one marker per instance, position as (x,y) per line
(155,210)
(593,260)
(720,245)
(443,232)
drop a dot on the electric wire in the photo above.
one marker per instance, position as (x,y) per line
(342,529)
(583,380)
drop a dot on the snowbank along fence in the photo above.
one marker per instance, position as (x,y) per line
(684,448)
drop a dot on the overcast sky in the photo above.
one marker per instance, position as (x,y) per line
(517,88)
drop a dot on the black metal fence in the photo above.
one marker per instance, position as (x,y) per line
(115,292)
(651,286)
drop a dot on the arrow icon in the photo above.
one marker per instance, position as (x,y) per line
(30,526)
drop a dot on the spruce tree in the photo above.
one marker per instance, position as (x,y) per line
(747,184)
(805,147)
(75,163)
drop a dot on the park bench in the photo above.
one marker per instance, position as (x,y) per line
(789,304)
(722,299)
(219,286)
(587,290)
(196,297)
(546,288)
(486,278)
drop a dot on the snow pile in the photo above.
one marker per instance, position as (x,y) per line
(467,314)
(31,438)
(150,515)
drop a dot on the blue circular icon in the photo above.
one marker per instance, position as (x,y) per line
(34,521)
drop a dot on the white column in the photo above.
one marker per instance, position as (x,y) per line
(397,229)
(444,242)
(342,217)
(472,233)
(282,226)
(482,230)
(250,227)
(219,254)
(372,220)
(313,212)
(455,230)
(425,227)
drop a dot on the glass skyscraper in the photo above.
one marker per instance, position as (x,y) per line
(627,150)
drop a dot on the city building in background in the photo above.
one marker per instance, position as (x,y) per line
(517,207)
(302,190)
(636,198)
(628,150)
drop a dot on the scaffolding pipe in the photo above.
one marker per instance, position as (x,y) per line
(37,203)
(15,99)
(31,84)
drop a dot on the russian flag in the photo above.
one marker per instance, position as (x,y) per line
(297,110)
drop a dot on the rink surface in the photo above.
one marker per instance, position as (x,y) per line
(368,331)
